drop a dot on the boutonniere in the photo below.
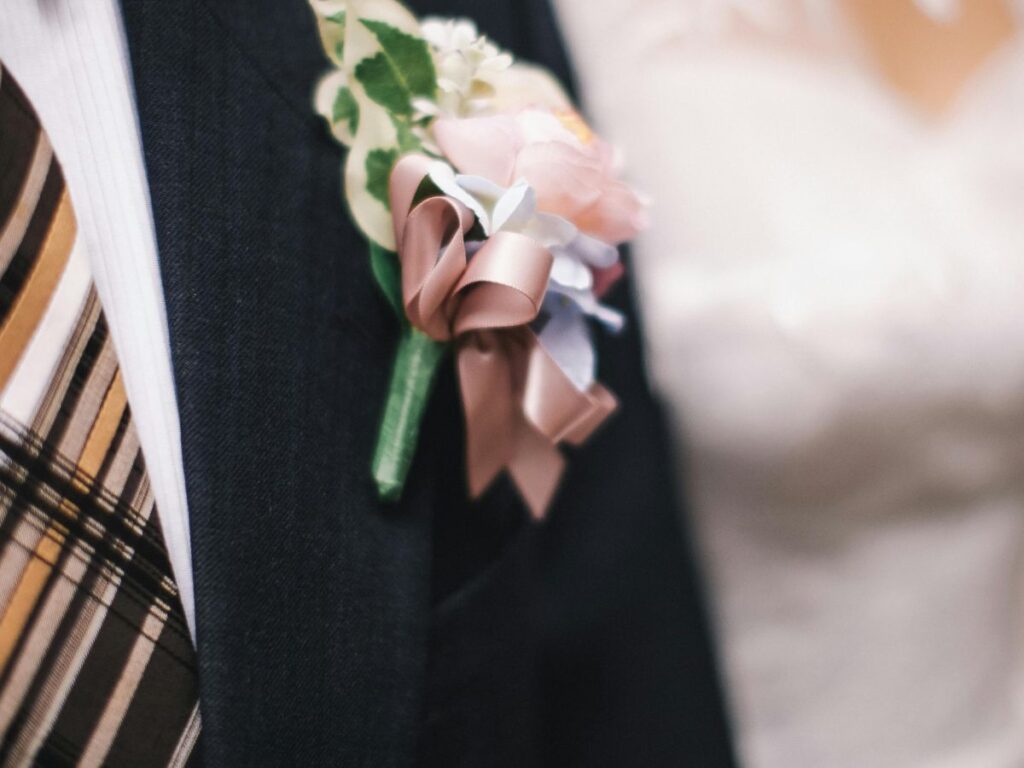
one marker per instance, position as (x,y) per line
(492,214)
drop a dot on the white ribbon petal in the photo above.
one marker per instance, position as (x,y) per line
(612,319)
(549,230)
(594,252)
(515,207)
(480,187)
(444,178)
(566,338)
(570,272)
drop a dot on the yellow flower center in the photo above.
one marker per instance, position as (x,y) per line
(575,124)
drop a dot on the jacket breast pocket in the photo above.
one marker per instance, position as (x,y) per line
(482,690)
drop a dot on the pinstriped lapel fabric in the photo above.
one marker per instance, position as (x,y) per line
(96,663)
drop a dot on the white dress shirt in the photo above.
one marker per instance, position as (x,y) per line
(71,59)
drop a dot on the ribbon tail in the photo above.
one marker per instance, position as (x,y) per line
(497,435)
(536,468)
(485,379)
(602,405)
(554,406)
(519,406)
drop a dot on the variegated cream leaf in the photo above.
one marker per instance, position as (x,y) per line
(343,30)
(334,102)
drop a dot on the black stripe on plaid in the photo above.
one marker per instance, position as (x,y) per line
(54,480)
(100,667)
(21,135)
(166,693)
(31,246)
(68,401)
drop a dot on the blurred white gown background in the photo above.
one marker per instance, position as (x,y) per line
(833,292)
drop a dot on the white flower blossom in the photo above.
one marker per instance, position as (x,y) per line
(466,62)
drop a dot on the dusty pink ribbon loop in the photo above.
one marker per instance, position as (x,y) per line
(519,404)
(434,260)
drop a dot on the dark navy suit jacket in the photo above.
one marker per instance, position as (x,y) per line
(332,629)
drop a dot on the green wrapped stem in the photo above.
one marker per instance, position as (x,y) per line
(412,376)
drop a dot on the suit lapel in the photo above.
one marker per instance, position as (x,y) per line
(307,591)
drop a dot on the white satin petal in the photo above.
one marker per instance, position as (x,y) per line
(550,230)
(444,178)
(594,252)
(515,207)
(570,272)
(566,338)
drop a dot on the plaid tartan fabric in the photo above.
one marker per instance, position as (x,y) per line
(96,663)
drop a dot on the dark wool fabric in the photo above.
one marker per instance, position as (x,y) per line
(334,630)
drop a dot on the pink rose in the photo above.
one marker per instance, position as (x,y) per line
(572,172)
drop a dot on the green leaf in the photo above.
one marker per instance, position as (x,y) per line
(346,109)
(401,70)
(407,140)
(409,55)
(386,270)
(382,84)
(338,18)
(379,163)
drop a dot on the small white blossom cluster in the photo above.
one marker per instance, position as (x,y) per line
(466,63)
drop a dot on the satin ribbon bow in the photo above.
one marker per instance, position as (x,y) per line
(519,405)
